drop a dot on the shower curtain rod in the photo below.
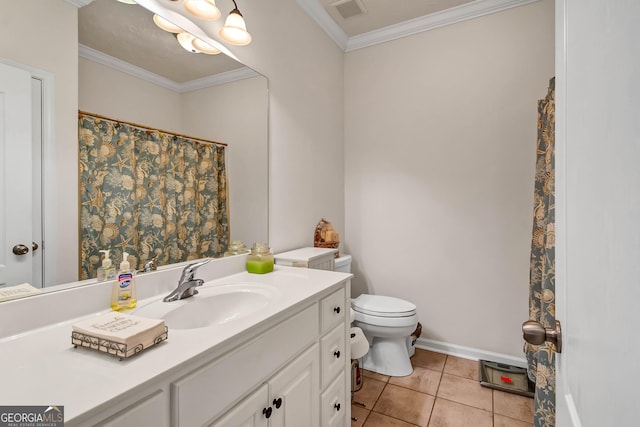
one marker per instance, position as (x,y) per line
(98,116)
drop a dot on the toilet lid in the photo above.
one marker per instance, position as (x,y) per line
(383,306)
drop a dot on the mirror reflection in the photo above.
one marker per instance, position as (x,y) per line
(132,71)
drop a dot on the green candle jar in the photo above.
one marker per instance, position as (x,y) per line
(260,260)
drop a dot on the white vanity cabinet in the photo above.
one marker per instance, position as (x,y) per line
(335,360)
(287,366)
(289,398)
(312,390)
(150,410)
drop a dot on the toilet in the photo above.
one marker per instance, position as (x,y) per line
(387,323)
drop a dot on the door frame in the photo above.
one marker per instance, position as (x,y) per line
(47,131)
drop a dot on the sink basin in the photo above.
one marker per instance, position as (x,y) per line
(213,305)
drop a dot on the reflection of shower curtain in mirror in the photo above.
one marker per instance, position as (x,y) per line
(148,193)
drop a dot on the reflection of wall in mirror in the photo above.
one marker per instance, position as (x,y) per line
(234,113)
(48,41)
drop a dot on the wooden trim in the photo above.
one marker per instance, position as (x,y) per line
(98,116)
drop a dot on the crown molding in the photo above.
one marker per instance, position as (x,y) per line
(117,64)
(218,79)
(79,3)
(125,67)
(454,15)
(322,18)
(435,20)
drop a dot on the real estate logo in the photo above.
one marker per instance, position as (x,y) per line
(32,416)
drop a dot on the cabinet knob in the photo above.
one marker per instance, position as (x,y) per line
(337,354)
(277,402)
(337,406)
(337,310)
(267,412)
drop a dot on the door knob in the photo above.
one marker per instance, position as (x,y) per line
(34,246)
(20,250)
(534,333)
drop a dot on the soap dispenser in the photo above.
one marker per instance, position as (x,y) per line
(123,295)
(108,270)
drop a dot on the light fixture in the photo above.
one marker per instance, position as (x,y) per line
(203,9)
(166,25)
(127,1)
(235,29)
(204,47)
(186,41)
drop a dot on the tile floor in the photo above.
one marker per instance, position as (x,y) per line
(443,391)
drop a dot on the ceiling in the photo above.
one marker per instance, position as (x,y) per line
(126,31)
(363,16)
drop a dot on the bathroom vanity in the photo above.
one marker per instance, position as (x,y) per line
(284,361)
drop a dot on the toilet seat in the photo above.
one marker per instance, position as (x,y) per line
(383,306)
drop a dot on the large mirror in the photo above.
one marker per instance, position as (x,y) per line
(132,71)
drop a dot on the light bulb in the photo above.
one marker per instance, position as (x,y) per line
(204,47)
(235,29)
(203,9)
(166,25)
(186,41)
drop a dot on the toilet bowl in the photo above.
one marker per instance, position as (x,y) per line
(387,323)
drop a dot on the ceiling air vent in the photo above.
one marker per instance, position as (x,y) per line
(349,8)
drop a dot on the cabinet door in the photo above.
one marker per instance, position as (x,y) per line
(294,392)
(250,412)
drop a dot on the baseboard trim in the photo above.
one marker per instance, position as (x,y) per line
(469,352)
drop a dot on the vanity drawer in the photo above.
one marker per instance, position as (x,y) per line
(333,404)
(332,309)
(333,354)
(203,394)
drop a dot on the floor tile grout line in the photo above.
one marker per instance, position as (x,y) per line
(435,398)
(442,372)
(464,404)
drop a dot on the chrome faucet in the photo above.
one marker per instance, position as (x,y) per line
(188,283)
(150,265)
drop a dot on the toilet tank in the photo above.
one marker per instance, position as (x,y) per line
(343,264)
(317,258)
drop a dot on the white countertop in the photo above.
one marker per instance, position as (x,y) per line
(41,367)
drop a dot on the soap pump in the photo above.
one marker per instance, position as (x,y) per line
(108,270)
(123,295)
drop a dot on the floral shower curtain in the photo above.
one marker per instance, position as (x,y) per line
(148,193)
(541,359)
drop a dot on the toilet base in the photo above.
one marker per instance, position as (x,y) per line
(388,356)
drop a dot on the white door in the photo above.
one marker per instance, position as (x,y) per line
(15,175)
(598,211)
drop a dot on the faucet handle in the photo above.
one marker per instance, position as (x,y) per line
(189,271)
(150,265)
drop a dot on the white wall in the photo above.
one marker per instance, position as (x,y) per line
(306,166)
(440,132)
(48,41)
(112,93)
